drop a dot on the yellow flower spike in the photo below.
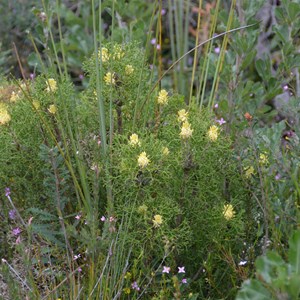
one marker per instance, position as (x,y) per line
(4,116)
(119,53)
(105,54)
(249,171)
(36,104)
(109,78)
(134,140)
(52,109)
(162,98)
(263,159)
(165,151)
(143,160)
(51,85)
(157,221)
(182,115)
(213,133)
(126,291)
(14,97)
(127,275)
(186,131)
(228,212)
(129,69)
(142,209)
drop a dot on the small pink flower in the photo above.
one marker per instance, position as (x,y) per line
(163,12)
(216,105)
(158,47)
(18,240)
(181,270)
(135,286)
(103,219)
(77,256)
(166,269)
(111,219)
(79,270)
(78,217)
(153,41)
(184,280)
(221,121)
(217,50)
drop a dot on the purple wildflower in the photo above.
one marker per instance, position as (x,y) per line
(103,219)
(12,214)
(217,50)
(153,41)
(135,286)
(166,269)
(221,121)
(163,12)
(16,231)
(181,270)
(7,191)
(184,280)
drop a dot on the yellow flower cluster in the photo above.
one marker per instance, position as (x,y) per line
(165,151)
(249,171)
(213,133)
(263,159)
(186,131)
(162,98)
(142,209)
(134,140)
(118,52)
(4,115)
(103,54)
(51,85)
(52,109)
(36,104)
(182,115)
(14,97)
(143,160)
(129,69)
(228,212)
(157,221)
(109,78)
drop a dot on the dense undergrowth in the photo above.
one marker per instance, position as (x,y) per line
(131,168)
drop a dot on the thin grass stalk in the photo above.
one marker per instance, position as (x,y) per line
(178,7)
(142,69)
(111,120)
(204,74)
(52,40)
(221,58)
(61,39)
(98,81)
(186,35)
(155,56)
(172,42)
(190,101)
